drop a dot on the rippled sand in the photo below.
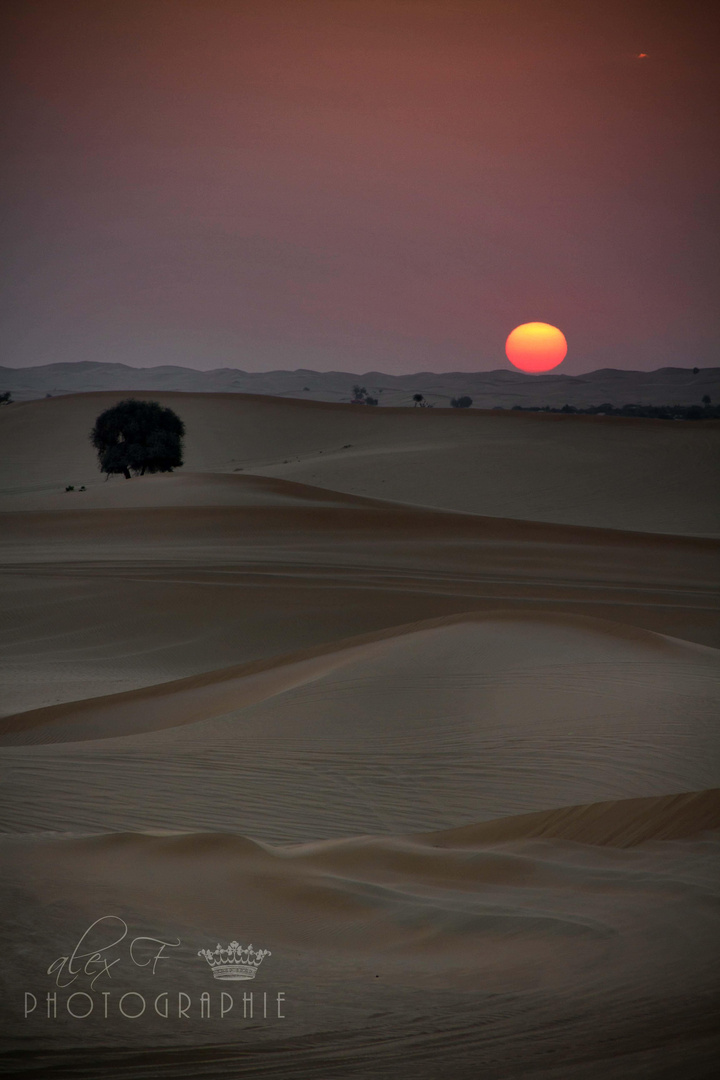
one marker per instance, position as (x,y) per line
(440,736)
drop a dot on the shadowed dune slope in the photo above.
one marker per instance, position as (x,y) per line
(99,601)
(393,954)
(451,723)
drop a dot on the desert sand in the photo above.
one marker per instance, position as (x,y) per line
(425,702)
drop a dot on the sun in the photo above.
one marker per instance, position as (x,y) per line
(536,347)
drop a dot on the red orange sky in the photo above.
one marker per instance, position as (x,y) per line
(359,184)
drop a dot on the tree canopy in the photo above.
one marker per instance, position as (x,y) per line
(141,436)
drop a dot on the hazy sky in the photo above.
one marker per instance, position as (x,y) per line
(359,184)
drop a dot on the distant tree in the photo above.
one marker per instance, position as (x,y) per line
(696,370)
(359,392)
(461,402)
(6,398)
(707,400)
(141,436)
(417,398)
(371,401)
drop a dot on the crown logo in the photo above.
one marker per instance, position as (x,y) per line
(235,962)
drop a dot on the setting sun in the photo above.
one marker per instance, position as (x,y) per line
(536,347)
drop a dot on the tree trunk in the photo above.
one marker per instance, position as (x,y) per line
(126,473)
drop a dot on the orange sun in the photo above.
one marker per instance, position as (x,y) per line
(536,347)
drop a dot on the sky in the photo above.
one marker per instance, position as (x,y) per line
(359,185)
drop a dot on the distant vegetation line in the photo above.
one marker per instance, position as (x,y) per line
(706,411)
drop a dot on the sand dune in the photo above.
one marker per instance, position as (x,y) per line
(651,476)
(423,702)
(377,935)
(166,592)
(108,600)
(436,727)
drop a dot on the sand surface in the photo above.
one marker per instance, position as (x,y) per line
(604,472)
(425,703)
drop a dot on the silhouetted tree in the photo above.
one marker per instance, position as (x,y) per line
(359,392)
(371,401)
(141,436)
(707,400)
(417,398)
(461,402)
(6,398)
(695,370)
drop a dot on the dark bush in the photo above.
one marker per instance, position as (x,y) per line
(138,436)
(461,402)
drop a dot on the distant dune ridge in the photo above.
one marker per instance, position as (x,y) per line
(503,387)
(424,702)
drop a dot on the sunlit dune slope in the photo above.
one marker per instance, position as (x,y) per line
(641,475)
